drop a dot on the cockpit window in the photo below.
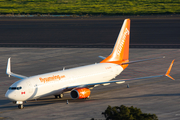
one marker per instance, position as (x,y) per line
(15,88)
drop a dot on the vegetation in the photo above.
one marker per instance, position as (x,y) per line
(79,7)
(127,113)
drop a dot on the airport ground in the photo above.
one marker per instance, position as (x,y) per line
(159,96)
(95,32)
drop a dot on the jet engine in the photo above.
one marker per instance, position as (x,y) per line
(80,93)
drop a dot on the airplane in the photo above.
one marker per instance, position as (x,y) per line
(79,80)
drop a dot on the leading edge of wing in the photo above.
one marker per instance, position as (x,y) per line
(123,80)
(141,60)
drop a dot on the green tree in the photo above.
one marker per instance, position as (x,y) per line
(127,113)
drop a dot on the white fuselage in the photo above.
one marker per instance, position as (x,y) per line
(55,82)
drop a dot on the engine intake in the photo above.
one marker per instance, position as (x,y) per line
(80,93)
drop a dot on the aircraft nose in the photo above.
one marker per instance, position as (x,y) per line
(11,95)
(6,95)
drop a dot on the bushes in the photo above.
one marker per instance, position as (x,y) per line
(127,113)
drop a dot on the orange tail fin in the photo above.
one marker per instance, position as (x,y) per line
(120,52)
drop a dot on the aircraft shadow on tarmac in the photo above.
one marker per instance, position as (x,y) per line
(42,102)
(3,102)
(7,107)
(47,101)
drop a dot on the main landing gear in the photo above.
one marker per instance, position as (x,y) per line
(59,96)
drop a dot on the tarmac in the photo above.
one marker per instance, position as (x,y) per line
(158,96)
(85,40)
(96,32)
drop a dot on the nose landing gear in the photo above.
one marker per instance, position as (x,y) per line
(20,106)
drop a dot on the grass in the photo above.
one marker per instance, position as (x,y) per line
(79,7)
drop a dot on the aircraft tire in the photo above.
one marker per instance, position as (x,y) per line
(20,106)
(57,96)
(61,95)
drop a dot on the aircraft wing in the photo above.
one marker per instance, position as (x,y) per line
(102,57)
(120,81)
(8,71)
(141,60)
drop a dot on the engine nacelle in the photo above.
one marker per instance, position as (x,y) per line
(80,93)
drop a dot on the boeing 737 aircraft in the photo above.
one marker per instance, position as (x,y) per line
(77,80)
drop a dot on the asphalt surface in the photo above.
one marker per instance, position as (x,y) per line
(151,32)
(158,96)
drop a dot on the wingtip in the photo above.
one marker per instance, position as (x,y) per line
(8,69)
(169,70)
(170,77)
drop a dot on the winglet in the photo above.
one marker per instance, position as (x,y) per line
(8,69)
(169,70)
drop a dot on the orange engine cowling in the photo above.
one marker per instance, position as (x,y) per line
(80,93)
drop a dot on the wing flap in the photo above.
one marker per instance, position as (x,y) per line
(94,84)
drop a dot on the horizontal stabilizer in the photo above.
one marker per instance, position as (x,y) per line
(102,57)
